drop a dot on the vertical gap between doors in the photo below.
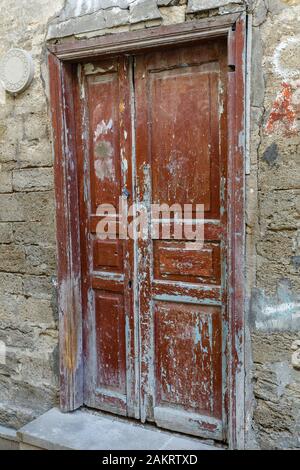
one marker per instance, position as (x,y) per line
(135,283)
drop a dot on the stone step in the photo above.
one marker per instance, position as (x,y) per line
(83,430)
(8,439)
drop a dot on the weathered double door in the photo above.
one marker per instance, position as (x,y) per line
(152,129)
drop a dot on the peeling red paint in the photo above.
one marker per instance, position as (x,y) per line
(283,112)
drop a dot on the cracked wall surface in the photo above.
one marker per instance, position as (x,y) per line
(28,320)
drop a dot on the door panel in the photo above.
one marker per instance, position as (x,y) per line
(187,348)
(188,371)
(104,131)
(177,147)
(111,347)
(181,159)
(175,261)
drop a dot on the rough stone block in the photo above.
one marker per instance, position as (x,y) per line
(41,233)
(259,13)
(26,310)
(77,25)
(40,260)
(36,153)
(11,283)
(10,208)
(144,10)
(14,334)
(5,233)
(37,206)
(200,5)
(284,173)
(15,129)
(74,9)
(33,179)
(272,347)
(39,287)
(13,415)
(279,211)
(173,15)
(116,17)
(34,207)
(12,258)
(8,152)
(25,105)
(35,126)
(169,3)
(5,182)
(38,368)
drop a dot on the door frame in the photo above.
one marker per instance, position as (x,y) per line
(63,55)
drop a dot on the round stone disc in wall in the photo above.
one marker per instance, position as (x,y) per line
(16,70)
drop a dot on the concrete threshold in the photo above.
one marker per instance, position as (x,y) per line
(8,439)
(83,430)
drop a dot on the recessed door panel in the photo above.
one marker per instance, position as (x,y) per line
(188,352)
(110,337)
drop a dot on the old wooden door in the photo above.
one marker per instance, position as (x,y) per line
(152,129)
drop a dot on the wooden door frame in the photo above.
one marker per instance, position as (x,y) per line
(62,58)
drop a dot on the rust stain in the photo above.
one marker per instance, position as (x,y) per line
(283,112)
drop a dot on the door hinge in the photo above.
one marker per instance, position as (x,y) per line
(231,50)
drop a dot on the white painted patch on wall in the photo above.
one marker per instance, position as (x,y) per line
(290,47)
(281,309)
(279,316)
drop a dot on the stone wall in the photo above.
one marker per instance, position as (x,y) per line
(28,321)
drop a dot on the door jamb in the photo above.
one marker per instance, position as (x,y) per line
(62,56)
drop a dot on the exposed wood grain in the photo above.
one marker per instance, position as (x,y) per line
(68,248)
(236,203)
(181,159)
